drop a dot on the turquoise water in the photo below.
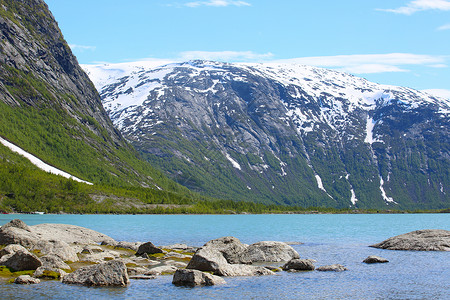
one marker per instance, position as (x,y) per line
(328,239)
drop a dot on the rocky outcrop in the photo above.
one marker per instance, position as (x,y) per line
(56,247)
(227,256)
(69,234)
(53,261)
(26,279)
(148,248)
(373,259)
(299,265)
(420,240)
(193,278)
(332,268)
(113,273)
(17,232)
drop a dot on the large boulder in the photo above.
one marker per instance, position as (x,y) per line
(10,249)
(193,278)
(420,240)
(230,247)
(20,260)
(222,257)
(148,248)
(268,252)
(112,273)
(299,265)
(53,261)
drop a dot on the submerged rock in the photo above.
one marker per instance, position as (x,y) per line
(332,268)
(373,259)
(420,240)
(112,273)
(193,278)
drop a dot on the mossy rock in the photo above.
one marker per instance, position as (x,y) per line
(51,275)
(156,255)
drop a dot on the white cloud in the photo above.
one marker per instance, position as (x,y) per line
(227,56)
(82,47)
(217,3)
(420,5)
(444,27)
(370,63)
(438,93)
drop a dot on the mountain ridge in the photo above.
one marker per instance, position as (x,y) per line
(271,123)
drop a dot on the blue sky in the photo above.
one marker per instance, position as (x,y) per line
(400,42)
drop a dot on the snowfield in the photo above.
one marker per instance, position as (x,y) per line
(39,163)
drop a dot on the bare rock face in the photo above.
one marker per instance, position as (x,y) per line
(268,252)
(332,268)
(58,248)
(54,261)
(21,260)
(420,240)
(299,265)
(26,279)
(373,259)
(112,273)
(191,278)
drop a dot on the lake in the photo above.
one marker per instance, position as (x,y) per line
(328,239)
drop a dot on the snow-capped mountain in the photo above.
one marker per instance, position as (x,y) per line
(283,133)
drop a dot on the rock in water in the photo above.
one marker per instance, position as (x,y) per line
(191,278)
(268,252)
(112,273)
(299,265)
(26,279)
(333,268)
(373,259)
(420,240)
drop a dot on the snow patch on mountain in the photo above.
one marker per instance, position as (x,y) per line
(39,163)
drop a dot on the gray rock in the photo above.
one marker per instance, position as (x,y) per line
(112,273)
(230,247)
(128,245)
(26,279)
(299,265)
(10,249)
(91,249)
(268,252)
(181,247)
(193,278)
(373,259)
(161,270)
(70,234)
(333,268)
(53,261)
(49,272)
(148,248)
(17,232)
(21,260)
(420,240)
(58,248)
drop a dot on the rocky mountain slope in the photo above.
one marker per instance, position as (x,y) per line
(284,134)
(50,109)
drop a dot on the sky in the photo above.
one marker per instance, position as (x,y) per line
(398,42)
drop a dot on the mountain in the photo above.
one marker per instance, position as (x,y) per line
(50,109)
(283,133)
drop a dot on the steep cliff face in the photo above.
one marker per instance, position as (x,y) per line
(284,133)
(50,108)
